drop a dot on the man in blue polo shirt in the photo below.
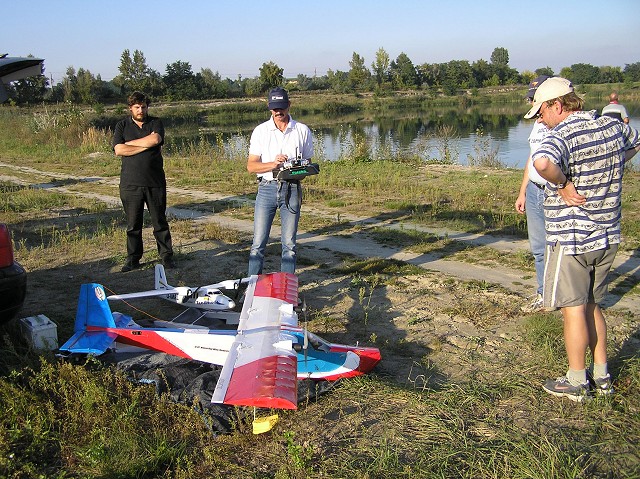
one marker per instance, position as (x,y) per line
(582,158)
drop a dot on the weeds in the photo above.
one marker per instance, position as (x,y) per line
(34,200)
(445,139)
(354,148)
(98,415)
(299,455)
(96,140)
(365,300)
(485,155)
(56,119)
(69,243)
(207,231)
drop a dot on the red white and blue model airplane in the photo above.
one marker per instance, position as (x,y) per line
(261,361)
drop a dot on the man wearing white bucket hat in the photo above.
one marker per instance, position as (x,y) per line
(582,158)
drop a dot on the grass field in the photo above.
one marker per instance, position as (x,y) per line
(456,395)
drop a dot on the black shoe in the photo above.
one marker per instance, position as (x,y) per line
(601,386)
(168,263)
(130,266)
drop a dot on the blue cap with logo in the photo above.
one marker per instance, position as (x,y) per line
(533,86)
(278,99)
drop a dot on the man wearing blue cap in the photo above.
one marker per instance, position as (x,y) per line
(272,143)
(530,202)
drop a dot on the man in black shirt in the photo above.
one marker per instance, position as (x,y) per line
(138,140)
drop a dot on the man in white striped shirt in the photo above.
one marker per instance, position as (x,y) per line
(583,159)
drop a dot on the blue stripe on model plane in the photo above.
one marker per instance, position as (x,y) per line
(318,361)
(328,362)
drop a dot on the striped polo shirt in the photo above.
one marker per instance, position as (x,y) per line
(590,150)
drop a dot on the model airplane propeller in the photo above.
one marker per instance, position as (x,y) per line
(305,343)
(205,298)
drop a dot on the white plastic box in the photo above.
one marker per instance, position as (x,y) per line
(40,331)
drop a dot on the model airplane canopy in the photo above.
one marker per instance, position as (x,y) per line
(17,68)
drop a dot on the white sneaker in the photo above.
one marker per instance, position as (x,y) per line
(535,305)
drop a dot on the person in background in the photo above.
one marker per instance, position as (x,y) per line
(272,143)
(615,109)
(138,140)
(530,202)
(582,158)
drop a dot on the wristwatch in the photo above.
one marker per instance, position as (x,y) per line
(561,185)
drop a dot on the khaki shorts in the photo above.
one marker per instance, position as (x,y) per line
(573,280)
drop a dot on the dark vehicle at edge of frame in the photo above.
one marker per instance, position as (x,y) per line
(13,278)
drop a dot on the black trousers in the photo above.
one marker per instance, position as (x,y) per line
(133,200)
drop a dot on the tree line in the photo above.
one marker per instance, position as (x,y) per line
(179,82)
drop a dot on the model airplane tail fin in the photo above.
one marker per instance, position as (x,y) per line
(93,308)
(93,312)
(161,278)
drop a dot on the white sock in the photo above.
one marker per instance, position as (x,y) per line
(600,370)
(577,377)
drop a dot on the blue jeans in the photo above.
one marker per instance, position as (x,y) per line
(274,195)
(535,228)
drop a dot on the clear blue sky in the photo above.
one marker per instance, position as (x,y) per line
(235,37)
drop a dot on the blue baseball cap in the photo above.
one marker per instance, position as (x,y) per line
(533,86)
(278,99)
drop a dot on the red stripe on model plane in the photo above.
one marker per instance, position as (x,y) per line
(267,382)
(369,357)
(146,339)
(283,286)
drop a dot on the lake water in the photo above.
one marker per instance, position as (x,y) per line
(505,134)
(511,146)
(469,132)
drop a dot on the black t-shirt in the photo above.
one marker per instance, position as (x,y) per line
(145,168)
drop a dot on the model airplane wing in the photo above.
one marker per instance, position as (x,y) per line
(203,297)
(17,68)
(149,294)
(261,368)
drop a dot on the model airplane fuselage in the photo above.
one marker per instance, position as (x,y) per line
(204,298)
(261,361)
